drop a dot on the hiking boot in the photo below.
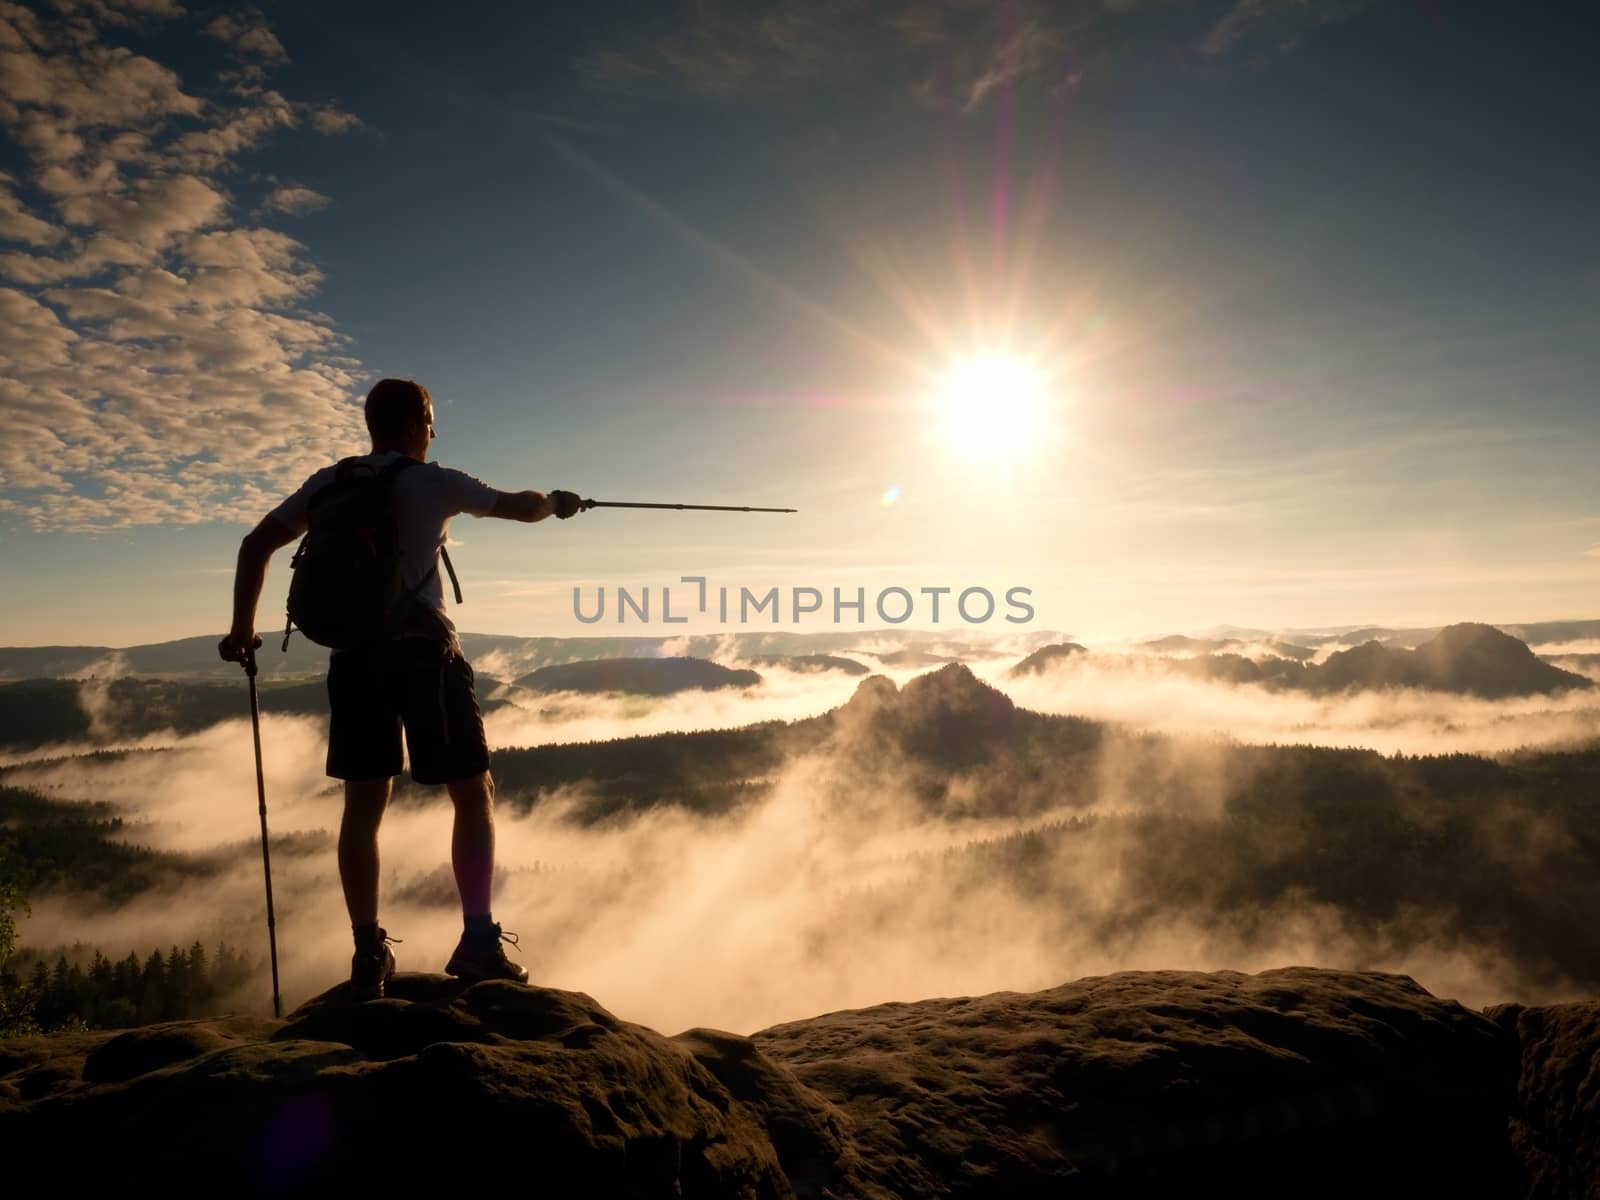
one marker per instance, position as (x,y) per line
(482,958)
(370,968)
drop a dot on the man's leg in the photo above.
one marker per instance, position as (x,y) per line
(479,954)
(472,843)
(364,802)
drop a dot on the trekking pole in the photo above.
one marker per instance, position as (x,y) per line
(588,504)
(266,857)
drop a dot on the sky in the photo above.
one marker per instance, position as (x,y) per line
(1284,315)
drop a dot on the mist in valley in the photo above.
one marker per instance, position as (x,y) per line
(863,870)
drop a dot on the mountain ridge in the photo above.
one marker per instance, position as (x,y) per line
(1467,658)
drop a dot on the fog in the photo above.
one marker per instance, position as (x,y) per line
(833,892)
(1144,693)
(570,717)
(1139,691)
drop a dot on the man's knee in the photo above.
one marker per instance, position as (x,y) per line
(475,789)
(365,799)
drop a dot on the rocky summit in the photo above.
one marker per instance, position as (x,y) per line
(1287,1082)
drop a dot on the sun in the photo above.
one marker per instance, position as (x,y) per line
(993,406)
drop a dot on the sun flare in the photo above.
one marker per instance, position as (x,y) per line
(993,406)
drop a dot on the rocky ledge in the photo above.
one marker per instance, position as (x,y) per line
(1287,1082)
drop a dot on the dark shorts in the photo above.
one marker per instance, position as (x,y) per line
(418,683)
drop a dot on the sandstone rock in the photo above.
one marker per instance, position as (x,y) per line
(1293,1082)
(1555,1126)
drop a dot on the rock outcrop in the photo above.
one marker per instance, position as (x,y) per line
(1287,1082)
(1555,1122)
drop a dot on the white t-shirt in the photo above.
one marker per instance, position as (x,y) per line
(425,497)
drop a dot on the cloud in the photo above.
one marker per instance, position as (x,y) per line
(1145,693)
(82,84)
(159,363)
(942,53)
(210,149)
(248,34)
(331,119)
(722,49)
(1271,27)
(295,200)
(19,225)
(123,12)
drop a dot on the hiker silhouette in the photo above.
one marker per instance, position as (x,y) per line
(367,585)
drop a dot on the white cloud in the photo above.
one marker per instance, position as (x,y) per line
(120,12)
(947,51)
(294,200)
(87,86)
(1274,26)
(17,224)
(248,34)
(331,119)
(155,364)
(210,149)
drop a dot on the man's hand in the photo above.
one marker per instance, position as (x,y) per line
(238,646)
(566,504)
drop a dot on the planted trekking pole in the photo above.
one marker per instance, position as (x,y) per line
(266,857)
(588,504)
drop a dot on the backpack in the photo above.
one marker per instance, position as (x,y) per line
(347,588)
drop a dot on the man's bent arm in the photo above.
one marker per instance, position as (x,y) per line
(250,575)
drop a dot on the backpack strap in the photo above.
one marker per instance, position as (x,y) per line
(451,571)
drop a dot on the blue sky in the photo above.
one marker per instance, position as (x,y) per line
(1312,292)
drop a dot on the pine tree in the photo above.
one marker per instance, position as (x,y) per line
(176,1005)
(153,990)
(125,985)
(200,990)
(11,898)
(55,1003)
(229,972)
(101,978)
(77,1007)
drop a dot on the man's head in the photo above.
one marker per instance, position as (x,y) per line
(400,417)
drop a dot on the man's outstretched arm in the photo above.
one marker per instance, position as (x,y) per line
(249,577)
(534,506)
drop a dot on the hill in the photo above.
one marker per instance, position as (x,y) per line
(43,712)
(195,658)
(1474,659)
(811,663)
(1471,659)
(639,676)
(1323,1083)
(1046,657)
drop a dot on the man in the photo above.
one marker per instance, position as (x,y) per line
(417,679)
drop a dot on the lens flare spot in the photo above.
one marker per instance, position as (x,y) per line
(890,496)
